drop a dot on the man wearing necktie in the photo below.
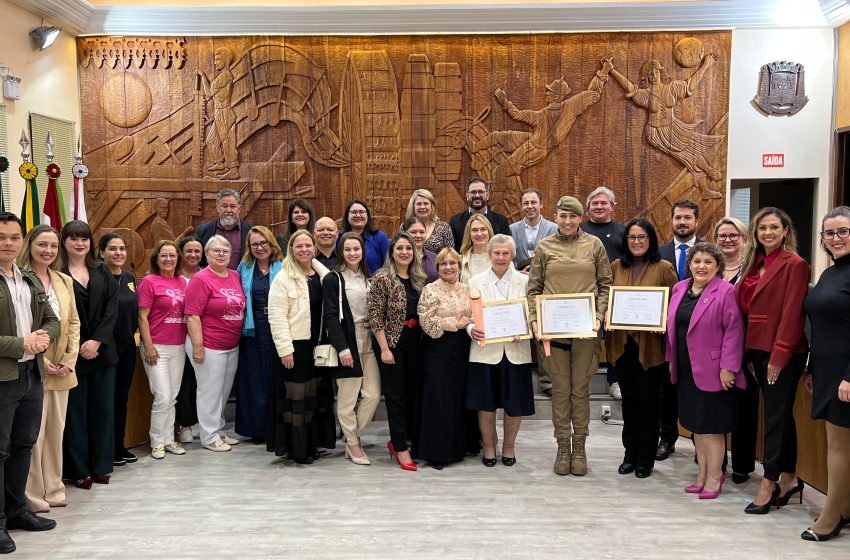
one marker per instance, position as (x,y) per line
(685,218)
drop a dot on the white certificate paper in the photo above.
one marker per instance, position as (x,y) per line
(567,317)
(637,308)
(505,321)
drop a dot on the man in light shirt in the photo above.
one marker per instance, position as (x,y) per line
(527,233)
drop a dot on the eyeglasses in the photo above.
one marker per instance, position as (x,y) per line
(729,237)
(477,193)
(842,233)
(167,257)
(356,212)
(220,252)
(260,245)
(446,264)
(637,238)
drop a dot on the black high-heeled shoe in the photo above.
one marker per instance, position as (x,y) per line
(764,509)
(508,461)
(783,500)
(810,535)
(488,461)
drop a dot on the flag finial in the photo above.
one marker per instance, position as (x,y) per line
(49,145)
(25,144)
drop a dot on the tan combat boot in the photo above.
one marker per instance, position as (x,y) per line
(563,458)
(578,461)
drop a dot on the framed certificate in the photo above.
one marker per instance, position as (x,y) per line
(637,308)
(506,320)
(566,315)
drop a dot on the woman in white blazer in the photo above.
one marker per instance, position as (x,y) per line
(301,399)
(499,373)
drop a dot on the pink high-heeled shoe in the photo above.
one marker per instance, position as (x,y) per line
(693,489)
(712,494)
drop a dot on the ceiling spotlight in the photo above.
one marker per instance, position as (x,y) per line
(45,36)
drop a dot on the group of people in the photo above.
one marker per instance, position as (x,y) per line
(391,316)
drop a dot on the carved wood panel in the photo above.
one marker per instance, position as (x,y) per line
(333,118)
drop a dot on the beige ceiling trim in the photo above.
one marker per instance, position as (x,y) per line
(412,17)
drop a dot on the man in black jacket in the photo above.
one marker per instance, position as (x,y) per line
(229,225)
(685,218)
(477,196)
(27,325)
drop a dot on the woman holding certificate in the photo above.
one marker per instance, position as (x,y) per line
(639,355)
(704,322)
(444,314)
(499,372)
(771,291)
(570,261)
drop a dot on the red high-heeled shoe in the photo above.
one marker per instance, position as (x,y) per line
(411,466)
(102,479)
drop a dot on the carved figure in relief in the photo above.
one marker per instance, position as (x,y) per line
(160,228)
(679,140)
(549,125)
(222,136)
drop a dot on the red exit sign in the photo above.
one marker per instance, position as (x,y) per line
(773,160)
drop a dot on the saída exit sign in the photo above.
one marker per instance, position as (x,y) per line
(773,160)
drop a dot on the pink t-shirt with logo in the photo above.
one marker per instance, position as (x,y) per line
(220,304)
(164,297)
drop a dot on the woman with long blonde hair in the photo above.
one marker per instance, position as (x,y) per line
(473,249)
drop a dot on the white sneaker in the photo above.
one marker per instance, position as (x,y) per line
(229,440)
(218,445)
(185,435)
(614,391)
(175,448)
(158,452)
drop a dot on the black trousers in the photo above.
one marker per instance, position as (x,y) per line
(20,421)
(640,405)
(668,410)
(744,437)
(398,384)
(186,409)
(89,440)
(123,380)
(780,429)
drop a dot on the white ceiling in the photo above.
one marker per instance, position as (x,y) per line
(242,17)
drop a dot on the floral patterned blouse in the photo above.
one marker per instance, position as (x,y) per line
(442,236)
(440,305)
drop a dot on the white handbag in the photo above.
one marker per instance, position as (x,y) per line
(325,355)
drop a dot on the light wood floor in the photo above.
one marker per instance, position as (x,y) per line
(243,504)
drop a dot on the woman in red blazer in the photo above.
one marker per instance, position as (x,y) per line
(771,292)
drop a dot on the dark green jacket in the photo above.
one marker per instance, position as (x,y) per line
(11,345)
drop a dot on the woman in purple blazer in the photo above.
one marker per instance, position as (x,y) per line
(705,348)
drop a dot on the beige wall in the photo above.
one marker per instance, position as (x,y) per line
(49,84)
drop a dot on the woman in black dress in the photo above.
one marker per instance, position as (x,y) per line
(444,313)
(89,443)
(113,251)
(261,262)
(828,309)
(301,418)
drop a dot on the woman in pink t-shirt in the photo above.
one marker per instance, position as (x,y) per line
(215,307)
(162,327)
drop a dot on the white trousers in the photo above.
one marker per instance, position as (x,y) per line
(215,379)
(164,378)
(353,419)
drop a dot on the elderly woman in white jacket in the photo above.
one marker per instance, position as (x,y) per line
(301,399)
(499,373)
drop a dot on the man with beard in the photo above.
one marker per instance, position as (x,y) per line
(326,234)
(600,206)
(685,221)
(229,225)
(527,233)
(477,196)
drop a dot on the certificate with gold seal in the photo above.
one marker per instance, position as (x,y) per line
(637,308)
(566,315)
(506,320)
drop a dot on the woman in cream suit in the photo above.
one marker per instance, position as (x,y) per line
(500,373)
(44,483)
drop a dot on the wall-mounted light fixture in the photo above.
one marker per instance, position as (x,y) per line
(11,83)
(45,36)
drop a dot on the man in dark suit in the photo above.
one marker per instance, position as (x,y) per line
(477,196)
(229,225)
(27,325)
(685,218)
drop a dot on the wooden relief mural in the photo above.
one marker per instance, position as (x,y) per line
(167,122)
